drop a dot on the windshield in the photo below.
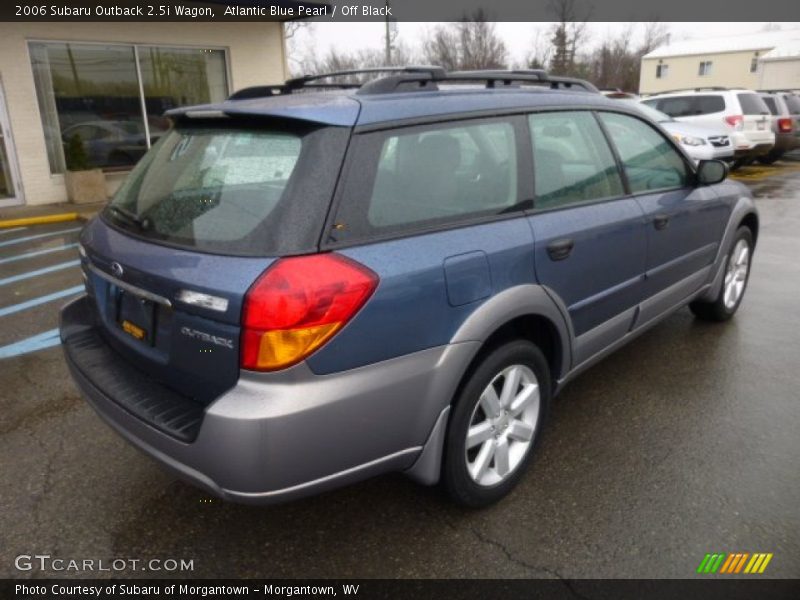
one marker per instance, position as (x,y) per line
(208,187)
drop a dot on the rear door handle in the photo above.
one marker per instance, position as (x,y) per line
(560,249)
(660,222)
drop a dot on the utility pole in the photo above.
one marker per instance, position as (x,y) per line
(388,37)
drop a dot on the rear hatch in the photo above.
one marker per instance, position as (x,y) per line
(757,123)
(208,209)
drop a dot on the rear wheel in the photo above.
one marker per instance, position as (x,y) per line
(768,159)
(737,273)
(495,424)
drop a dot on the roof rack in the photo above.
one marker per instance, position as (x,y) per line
(420,77)
(492,79)
(314,81)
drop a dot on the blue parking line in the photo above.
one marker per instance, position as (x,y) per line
(48,339)
(38,237)
(9,310)
(12,230)
(36,253)
(37,272)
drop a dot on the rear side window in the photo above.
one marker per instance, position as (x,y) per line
(793,103)
(230,190)
(772,105)
(572,161)
(689,106)
(420,177)
(752,104)
(650,161)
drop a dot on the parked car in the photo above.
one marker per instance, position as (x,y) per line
(785,110)
(301,290)
(701,143)
(742,112)
(110,143)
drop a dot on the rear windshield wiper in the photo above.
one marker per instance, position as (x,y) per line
(126,215)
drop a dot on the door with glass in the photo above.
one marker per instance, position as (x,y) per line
(10,192)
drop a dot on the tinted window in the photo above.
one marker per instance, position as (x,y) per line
(752,104)
(234,190)
(771,104)
(424,176)
(572,161)
(793,102)
(688,106)
(650,161)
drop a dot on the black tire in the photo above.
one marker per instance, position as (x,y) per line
(717,310)
(737,164)
(456,478)
(768,159)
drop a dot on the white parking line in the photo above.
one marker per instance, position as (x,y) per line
(37,272)
(36,253)
(12,230)
(48,339)
(38,236)
(14,308)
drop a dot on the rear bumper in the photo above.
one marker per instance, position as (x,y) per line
(753,151)
(284,435)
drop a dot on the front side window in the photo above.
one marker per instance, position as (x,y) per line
(650,161)
(421,177)
(572,161)
(90,98)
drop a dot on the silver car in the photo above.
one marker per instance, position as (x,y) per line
(701,143)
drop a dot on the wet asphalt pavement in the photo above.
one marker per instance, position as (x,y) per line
(686,441)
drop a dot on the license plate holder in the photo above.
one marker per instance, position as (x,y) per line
(761,125)
(136,316)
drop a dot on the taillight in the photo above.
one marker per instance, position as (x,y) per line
(735,121)
(297,305)
(785,125)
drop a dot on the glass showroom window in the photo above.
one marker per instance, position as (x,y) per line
(90,96)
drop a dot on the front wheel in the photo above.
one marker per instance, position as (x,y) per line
(737,274)
(495,424)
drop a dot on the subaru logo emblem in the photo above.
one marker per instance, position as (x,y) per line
(116,269)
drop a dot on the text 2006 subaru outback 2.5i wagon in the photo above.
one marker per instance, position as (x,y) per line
(294,291)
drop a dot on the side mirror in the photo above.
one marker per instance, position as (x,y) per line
(710,172)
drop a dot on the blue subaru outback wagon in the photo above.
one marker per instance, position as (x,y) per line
(310,284)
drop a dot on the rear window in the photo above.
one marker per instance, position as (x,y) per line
(771,104)
(752,104)
(227,190)
(793,102)
(689,106)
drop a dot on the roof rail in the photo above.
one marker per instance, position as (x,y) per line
(506,78)
(417,77)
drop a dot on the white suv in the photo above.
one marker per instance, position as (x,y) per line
(742,112)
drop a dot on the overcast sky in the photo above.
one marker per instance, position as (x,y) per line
(517,36)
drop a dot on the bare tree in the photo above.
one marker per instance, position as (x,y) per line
(616,63)
(566,36)
(539,55)
(471,43)
(291,33)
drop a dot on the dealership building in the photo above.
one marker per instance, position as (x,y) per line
(105,86)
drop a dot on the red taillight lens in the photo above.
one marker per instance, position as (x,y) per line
(297,305)
(785,125)
(735,121)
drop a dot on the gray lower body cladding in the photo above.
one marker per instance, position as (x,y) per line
(283,435)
